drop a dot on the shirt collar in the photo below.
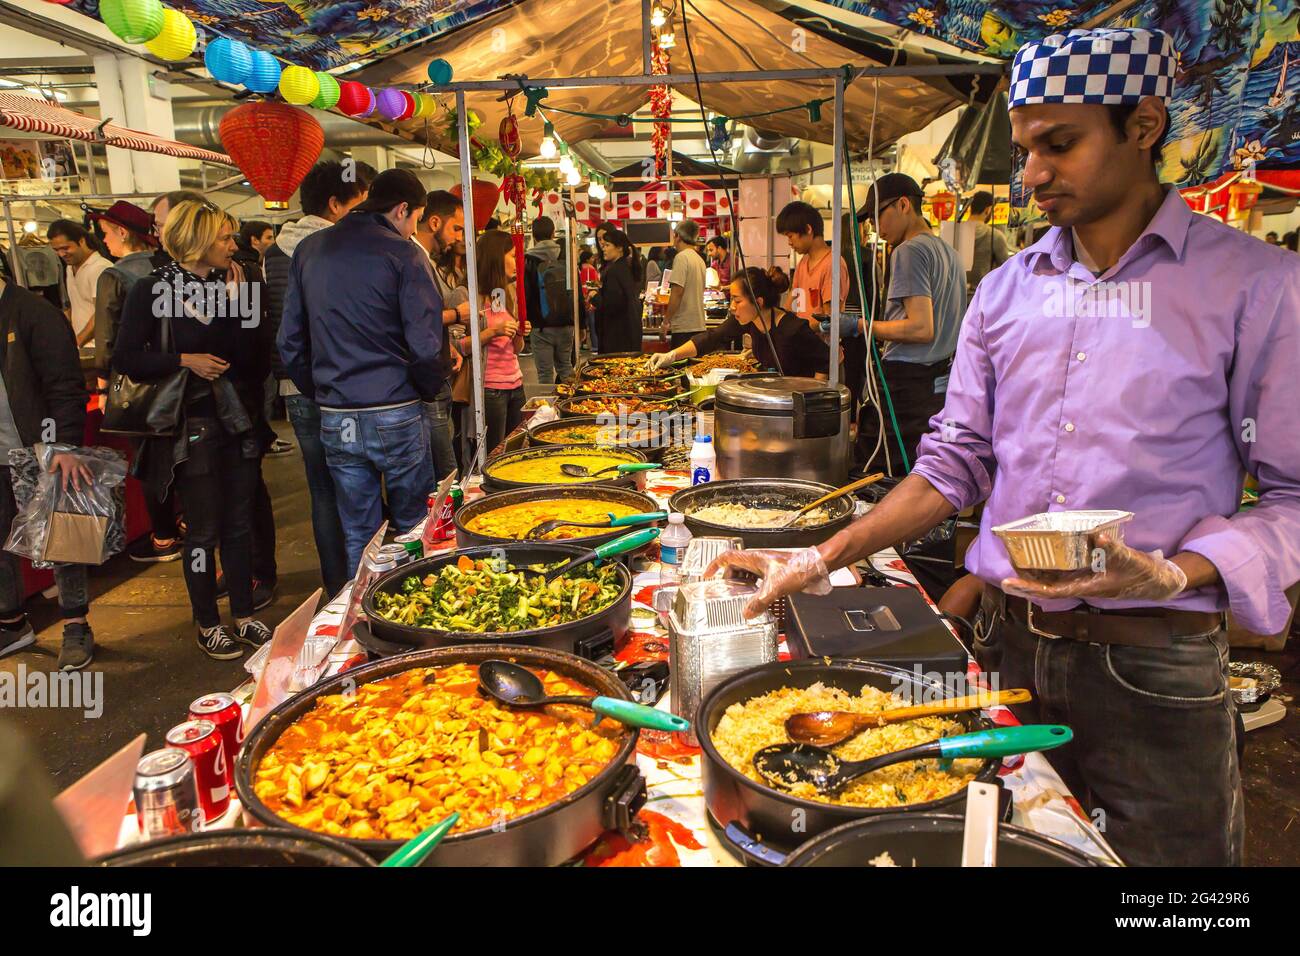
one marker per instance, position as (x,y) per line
(1170,224)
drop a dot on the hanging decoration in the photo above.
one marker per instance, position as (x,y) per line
(508,137)
(355,98)
(661,106)
(135,21)
(177,39)
(485,200)
(390,103)
(299,85)
(274,145)
(229,61)
(264,75)
(327,96)
(440,72)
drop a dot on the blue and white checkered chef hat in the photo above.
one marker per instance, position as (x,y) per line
(1093,66)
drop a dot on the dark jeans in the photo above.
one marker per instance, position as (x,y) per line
(72,579)
(327,528)
(437,416)
(1154,756)
(912,389)
(363,447)
(553,354)
(162,514)
(218,487)
(264,568)
(502,413)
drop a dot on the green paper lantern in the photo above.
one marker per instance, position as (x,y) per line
(328,96)
(135,21)
(298,85)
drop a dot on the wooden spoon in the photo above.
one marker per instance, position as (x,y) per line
(825,728)
(852,486)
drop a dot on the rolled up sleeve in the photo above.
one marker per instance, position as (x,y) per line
(1257,551)
(956,455)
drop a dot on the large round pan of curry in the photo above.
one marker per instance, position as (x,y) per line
(380,741)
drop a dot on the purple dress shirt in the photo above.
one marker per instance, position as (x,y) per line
(1153,388)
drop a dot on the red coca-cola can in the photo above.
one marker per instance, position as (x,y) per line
(444,528)
(224,711)
(201,740)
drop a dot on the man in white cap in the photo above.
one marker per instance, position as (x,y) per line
(1138,358)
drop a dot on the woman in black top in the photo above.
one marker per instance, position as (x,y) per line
(755,308)
(217,334)
(618,303)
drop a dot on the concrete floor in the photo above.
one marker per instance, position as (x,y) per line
(152,670)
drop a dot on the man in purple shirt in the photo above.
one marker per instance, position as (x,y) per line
(1138,357)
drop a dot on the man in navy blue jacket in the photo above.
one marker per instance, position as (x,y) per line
(361,334)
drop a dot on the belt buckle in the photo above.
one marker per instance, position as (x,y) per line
(1029,623)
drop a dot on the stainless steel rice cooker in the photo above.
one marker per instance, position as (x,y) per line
(774,426)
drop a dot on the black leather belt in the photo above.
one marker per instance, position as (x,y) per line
(1135,627)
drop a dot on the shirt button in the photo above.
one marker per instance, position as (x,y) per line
(1081,356)
(1060,499)
(1069,426)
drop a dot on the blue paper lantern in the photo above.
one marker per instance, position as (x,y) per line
(264,76)
(228,60)
(439,72)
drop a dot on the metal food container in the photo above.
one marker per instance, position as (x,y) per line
(701,552)
(1059,540)
(773,426)
(710,640)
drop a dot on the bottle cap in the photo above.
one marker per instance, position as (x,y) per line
(676,518)
(708,438)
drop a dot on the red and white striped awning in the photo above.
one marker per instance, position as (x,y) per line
(32,114)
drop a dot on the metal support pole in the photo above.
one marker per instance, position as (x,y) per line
(574,283)
(837,210)
(646,57)
(471,280)
(15,261)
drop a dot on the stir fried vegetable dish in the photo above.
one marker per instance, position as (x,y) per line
(620,367)
(489,597)
(616,405)
(611,434)
(596,386)
(401,753)
(741,363)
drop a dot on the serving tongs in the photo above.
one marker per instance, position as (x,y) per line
(546,527)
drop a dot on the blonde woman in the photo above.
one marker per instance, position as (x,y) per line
(213,457)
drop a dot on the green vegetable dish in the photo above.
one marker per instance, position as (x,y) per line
(484,597)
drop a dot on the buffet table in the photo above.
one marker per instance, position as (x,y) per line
(678,829)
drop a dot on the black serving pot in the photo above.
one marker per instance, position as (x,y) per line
(614,495)
(492,484)
(923,839)
(559,637)
(550,836)
(565,405)
(240,848)
(792,493)
(651,444)
(767,813)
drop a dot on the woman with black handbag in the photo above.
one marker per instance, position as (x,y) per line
(179,326)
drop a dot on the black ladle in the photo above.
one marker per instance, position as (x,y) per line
(517,686)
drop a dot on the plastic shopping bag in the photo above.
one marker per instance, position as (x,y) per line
(55,525)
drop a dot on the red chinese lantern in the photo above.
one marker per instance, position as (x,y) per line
(944,205)
(274,145)
(354,98)
(409,109)
(485,201)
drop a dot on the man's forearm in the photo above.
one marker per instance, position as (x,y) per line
(1200,570)
(902,330)
(906,513)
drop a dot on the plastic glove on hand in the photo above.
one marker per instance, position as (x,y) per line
(781,573)
(1126,574)
(660,359)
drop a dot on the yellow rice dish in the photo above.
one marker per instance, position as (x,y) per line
(746,728)
(515,521)
(546,470)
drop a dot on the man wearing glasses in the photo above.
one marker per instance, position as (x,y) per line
(927,296)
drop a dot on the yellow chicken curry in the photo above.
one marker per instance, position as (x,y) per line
(545,469)
(402,753)
(515,521)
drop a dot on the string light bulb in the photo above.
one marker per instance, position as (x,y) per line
(29,226)
(566,164)
(548,149)
(573,177)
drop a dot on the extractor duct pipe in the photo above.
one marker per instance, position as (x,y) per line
(199,126)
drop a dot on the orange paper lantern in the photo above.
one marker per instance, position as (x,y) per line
(274,145)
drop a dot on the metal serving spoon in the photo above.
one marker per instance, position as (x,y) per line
(825,728)
(851,486)
(580,471)
(517,686)
(546,527)
(785,765)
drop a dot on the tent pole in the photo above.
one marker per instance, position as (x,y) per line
(572,221)
(837,210)
(471,279)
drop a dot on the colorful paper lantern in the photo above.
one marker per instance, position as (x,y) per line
(328,96)
(229,61)
(408,110)
(390,103)
(177,38)
(135,21)
(485,200)
(274,146)
(298,85)
(264,76)
(439,72)
(354,98)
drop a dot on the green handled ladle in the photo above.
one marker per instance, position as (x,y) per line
(620,545)
(784,765)
(580,471)
(546,527)
(413,851)
(517,686)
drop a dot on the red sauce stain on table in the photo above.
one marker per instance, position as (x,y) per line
(656,847)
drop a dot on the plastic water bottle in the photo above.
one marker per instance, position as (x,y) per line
(672,548)
(704,463)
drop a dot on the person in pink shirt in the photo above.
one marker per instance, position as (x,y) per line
(502,338)
(810,290)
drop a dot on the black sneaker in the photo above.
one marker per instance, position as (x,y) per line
(14,637)
(253,633)
(78,646)
(147,549)
(216,643)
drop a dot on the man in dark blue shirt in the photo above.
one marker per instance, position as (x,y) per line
(361,334)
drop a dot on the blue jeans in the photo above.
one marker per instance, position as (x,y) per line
(437,417)
(363,447)
(304,415)
(553,353)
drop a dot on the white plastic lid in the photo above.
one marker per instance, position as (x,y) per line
(676,518)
